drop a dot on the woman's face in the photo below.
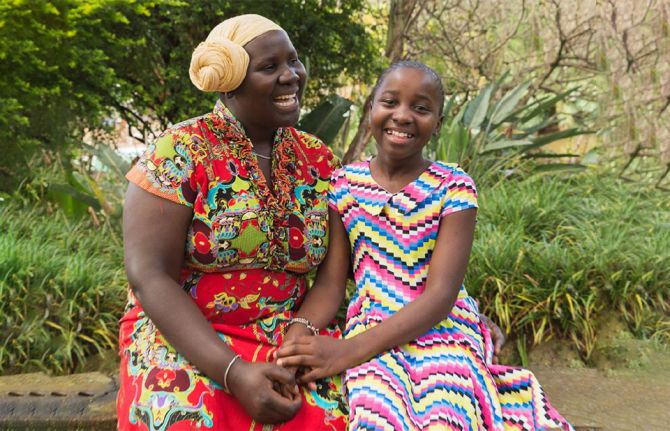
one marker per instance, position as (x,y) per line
(269,97)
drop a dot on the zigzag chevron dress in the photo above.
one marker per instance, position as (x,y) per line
(444,380)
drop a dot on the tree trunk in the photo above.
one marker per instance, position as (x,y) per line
(400,17)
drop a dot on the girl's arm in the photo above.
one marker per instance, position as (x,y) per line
(447,269)
(154,234)
(324,298)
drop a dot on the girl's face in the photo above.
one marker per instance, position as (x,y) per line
(405,113)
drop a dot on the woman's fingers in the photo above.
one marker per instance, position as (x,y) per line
(279,406)
(280,375)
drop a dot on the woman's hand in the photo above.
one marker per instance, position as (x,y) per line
(497,336)
(323,356)
(255,386)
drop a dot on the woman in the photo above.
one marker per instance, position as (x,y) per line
(225,214)
(246,194)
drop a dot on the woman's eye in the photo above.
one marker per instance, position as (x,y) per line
(269,67)
(294,61)
(388,102)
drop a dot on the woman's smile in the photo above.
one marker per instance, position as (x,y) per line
(287,102)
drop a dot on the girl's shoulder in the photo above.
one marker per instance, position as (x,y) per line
(352,170)
(450,172)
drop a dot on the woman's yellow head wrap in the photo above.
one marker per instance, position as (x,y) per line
(220,62)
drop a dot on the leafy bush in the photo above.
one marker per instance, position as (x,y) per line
(62,289)
(552,256)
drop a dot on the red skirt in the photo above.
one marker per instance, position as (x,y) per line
(161,390)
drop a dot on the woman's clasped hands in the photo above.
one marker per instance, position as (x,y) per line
(267,392)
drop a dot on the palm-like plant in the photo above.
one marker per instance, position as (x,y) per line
(492,138)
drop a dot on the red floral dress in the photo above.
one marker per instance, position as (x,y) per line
(248,251)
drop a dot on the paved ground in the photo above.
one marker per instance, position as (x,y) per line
(591,399)
(614,401)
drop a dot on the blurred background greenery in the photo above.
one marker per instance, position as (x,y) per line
(558,109)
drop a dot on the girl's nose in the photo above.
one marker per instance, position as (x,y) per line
(402,114)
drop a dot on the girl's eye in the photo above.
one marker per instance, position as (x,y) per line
(422,109)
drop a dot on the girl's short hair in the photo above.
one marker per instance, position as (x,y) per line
(412,64)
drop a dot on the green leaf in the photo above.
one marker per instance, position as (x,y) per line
(71,200)
(541,105)
(503,144)
(477,108)
(503,109)
(559,167)
(110,158)
(326,119)
(550,155)
(563,134)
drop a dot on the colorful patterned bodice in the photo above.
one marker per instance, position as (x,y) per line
(206,163)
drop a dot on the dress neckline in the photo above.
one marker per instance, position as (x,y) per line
(405,187)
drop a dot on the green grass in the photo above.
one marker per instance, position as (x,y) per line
(552,255)
(62,289)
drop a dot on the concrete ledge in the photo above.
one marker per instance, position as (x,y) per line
(76,402)
(592,400)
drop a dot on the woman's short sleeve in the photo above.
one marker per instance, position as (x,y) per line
(461,193)
(166,168)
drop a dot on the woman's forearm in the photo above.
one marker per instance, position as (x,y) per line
(183,325)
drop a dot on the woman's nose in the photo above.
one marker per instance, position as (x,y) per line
(288,75)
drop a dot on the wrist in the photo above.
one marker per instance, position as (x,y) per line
(229,367)
(235,373)
(301,321)
(295,331)
(357,350)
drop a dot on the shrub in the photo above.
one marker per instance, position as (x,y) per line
(551,256)
(62,289)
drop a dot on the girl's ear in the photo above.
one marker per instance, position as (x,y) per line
(438,126)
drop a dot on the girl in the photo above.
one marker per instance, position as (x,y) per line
(416,353)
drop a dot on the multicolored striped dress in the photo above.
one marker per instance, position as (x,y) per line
(445,379)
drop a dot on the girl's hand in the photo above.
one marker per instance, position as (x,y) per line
(497,336)
(323,356)
(256,386)
(294,332)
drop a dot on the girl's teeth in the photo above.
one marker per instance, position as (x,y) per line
(399,134)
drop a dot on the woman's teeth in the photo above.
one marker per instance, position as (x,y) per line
(286,101)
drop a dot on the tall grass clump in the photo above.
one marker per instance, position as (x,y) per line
(551,256)
(62,289)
